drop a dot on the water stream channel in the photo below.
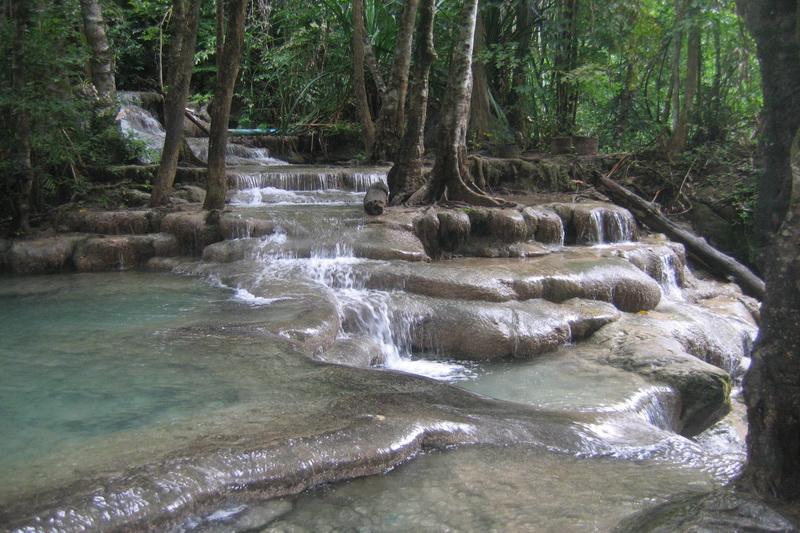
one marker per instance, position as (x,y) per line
(316,371)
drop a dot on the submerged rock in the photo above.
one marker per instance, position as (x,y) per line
(717,512)
(353,351)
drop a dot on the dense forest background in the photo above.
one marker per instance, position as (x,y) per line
(673,77)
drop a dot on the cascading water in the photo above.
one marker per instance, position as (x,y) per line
(619,226)
(606,226)
(365,313)
(669,277)
(577,444)
(235,154)
(141,124)
(594,231)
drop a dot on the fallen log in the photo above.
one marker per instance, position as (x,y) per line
(197,121)
(376,198)
(648,214)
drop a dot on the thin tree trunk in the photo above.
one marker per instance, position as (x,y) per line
(406,174)
(772,383)
(101,64)
(359,78)
(389,127)
(674,94)
(24,175)
(680,132)
(186,19)
(227,72)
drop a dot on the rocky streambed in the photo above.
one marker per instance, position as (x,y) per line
(349,319)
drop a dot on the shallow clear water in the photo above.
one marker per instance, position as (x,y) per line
(84,355)
(103,372)
(471,489)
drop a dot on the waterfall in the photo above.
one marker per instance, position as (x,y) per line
(369,313)
(235,154)
(668,277)
(139,123)
(304,180)
(619,226)
(592,233)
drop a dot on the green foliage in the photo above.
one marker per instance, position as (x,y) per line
(297,69)
(70,130)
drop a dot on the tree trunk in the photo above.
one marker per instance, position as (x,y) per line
(228,70)
(673,105)
(359,78)
(566,62)
(682,110)
(101,64)
(23,174)
(480,118)
(772,384)
(186,19)
(406,174)
(376,198)
(450,176)
(519,101)
(389,127)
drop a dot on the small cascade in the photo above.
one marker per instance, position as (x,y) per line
(618,226)
(593,231)
(141,124)
(365,313)
(607,226)
(595,223)
(299,179)
(668,277)
(235,154)
(370,314)
(658,405)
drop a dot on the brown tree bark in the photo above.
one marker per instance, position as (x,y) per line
(566,61)
(101,64)
(683,109)
(23,178)
(480,117)
(772,384)
(186,20)
(406,175)
(519,98)
(673,103)
(389,126)
(450,177)
(359,78)
(227,71)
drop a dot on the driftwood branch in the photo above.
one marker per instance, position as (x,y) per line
(648,214)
